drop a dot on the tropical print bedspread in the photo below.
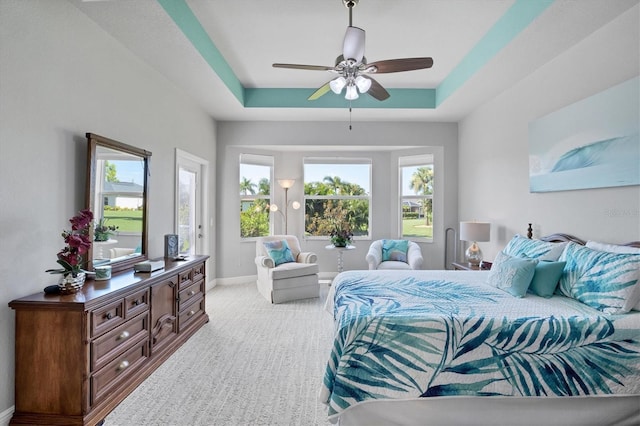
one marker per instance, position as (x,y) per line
(403,335)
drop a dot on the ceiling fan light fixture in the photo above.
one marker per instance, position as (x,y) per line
(353,46)
(363,83)
(337,84)
(352,93)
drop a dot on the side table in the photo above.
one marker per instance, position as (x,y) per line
(484,266)
(340,250)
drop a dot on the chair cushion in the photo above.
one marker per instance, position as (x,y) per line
(395,250)
(293,269)
(279,251)
(393,264)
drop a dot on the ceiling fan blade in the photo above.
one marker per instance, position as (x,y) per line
(304,67)
(398,65)
(377,91)
(321,91)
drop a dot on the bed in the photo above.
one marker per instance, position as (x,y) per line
(474,347)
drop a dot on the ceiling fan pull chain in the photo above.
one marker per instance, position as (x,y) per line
(349,115)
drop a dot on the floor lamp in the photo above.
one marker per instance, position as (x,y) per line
(286,184)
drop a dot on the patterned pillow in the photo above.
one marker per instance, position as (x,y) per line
(279,251)
(546,277)
(395,250)
(605,281)
(512,274)
(520,246)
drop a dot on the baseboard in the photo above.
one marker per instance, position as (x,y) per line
(5,416)
(234,280)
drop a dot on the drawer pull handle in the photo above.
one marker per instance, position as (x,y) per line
(125,335)
(136,302)
(124,364)
(109,315)
(191,293)
(191,313)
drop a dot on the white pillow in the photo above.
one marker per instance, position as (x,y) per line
(612,248)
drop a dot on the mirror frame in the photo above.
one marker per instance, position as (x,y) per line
(93,142)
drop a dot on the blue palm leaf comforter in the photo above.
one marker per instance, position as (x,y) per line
(415,334)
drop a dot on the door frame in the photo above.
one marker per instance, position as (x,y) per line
(202,244)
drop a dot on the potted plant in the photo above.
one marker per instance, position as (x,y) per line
(70,258)
(341,237)
(102,231)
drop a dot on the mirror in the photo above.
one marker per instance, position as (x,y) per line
(117,193)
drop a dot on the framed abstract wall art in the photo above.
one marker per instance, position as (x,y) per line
(593,143)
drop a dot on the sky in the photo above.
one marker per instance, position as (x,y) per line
(348,173)
(129,171)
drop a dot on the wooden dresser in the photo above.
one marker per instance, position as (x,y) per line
(78,356)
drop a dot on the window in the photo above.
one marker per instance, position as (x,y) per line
(416,199)
(256,173)
(337,196)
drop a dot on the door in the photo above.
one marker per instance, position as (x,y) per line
(190,203)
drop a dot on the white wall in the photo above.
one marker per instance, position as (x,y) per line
(493,159)
(60,77)
(289,142)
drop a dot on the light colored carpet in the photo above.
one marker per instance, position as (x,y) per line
(254,363)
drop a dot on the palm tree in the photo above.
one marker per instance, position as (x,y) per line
(422,183)
(264,186)
(335,183)
(247,187)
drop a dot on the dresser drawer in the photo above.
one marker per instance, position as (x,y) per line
(136,303)
(198,272)
(189,294)
(105,348)
(185,278)
(107,317)
(109,377)
(190,313)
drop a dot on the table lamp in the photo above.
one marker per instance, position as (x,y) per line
(474,232)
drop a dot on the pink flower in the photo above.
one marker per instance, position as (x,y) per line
(81,220)
(78,244)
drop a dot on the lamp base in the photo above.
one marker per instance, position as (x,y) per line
(473,255)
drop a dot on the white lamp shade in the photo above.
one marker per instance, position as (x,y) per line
(353,46)
(295,205)
(286,183)
(363,83)
(337,85)
(273,207)
(475,231)
(352,93)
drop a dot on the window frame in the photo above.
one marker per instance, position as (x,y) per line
(256,160)
(328,161)
(418,160)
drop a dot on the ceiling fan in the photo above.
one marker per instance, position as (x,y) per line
(352,66)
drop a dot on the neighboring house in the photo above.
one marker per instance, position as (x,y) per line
(122,194)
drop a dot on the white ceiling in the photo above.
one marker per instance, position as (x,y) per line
(252,34)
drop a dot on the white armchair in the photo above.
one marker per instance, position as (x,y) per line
(374,257)
(287,281)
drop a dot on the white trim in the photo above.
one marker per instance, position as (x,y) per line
(6,415)
(205,220)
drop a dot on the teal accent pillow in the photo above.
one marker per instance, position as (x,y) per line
(279,251)
(523,247)
(605,281)
(512,274)
(546,277)
(395,250)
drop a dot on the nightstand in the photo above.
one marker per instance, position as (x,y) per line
(485,266)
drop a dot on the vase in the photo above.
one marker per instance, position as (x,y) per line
(69,284)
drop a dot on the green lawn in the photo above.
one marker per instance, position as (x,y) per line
(125,220)
(416,228)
